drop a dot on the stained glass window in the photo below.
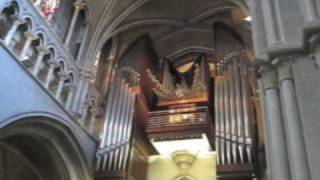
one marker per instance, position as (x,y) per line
(47,7)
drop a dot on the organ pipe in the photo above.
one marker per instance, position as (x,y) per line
(217,118)
(114,149)
(246,113)
(115,128)
(234,138)
(233,112)
(222,129)
(227,114)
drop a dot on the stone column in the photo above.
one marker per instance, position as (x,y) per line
(42,51)
(94,117)
(17,21)
(84,113)
(279,164)
(70,96)
(296,146)
(30,36)
(309,10)
(62,77)
(78,6)
(52,65)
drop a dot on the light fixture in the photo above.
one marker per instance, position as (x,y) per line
(194,145)
(248,18)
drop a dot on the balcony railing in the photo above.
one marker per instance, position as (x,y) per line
(168,120)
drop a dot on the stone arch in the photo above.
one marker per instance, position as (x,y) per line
(49,146)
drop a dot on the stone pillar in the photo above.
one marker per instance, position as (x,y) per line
(279,164)
(84,113)
(17,21)
(62,77)
(78,6)
(30,36)
(70,96)
(42,51)
(52,65)
(296,146)
(309,10)
(81,93)
(93,122)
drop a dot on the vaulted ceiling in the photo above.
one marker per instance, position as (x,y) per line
(181,27)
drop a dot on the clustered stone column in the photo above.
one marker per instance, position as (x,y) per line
(287,158)
(78,6)
(282,31)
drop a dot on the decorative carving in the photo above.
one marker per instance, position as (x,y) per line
(167,89)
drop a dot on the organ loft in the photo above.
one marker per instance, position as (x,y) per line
(159,89)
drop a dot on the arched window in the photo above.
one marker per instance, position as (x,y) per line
(30,59)
(53,86)
(66,89)
(6,20)
(19,38)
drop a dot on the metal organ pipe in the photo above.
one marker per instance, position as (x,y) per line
(246,110)
(239,110)
(112,118)
(227,114)
(125,127)
(121,120)
(115,128)
(234,138)
(233,112)
(222,122)
(129,129)
(109,120)
(217,118)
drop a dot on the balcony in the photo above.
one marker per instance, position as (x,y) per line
(188,120)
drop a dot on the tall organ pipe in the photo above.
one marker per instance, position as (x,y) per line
(121,124)
(227,114)
(222,122)
(217,118)
(110,117)
(115,127)
(246,110)
(233,112)
(239,110)
(128,133)
(124,140)
(106,123)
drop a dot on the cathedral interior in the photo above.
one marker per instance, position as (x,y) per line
(159,89)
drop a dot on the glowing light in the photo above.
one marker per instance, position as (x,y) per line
(248,18)
(195,145)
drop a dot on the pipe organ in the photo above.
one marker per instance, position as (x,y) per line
(233,114)
(114,149)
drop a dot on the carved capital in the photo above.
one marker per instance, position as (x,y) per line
(270,79)
(79,5)
(54,63)
(30,35)
(42,50)
(17,20)
(63,76)
(285,71)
